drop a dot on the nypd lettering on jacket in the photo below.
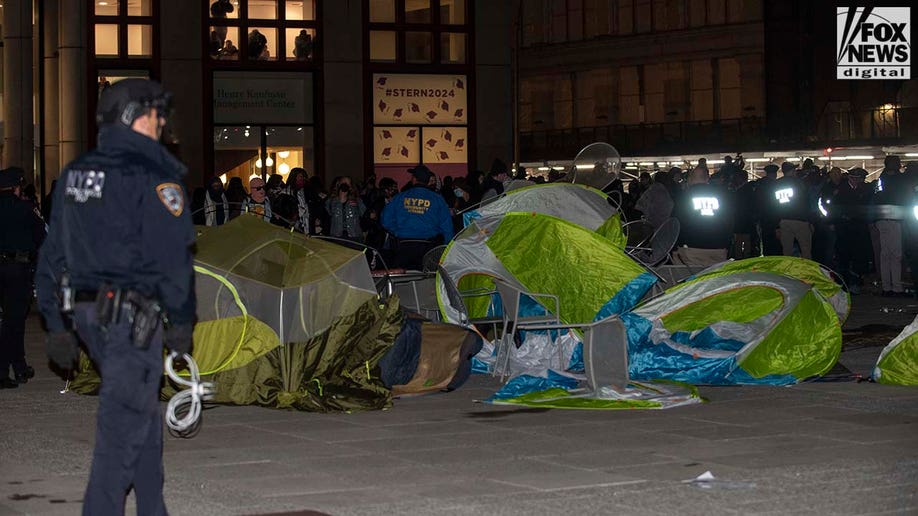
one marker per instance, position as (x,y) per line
(83,185)
(784,195)
(415,205)
(706,206)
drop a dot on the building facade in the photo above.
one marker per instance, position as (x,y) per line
(337,87)
(661,78)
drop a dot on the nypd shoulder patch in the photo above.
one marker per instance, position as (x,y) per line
(172,197)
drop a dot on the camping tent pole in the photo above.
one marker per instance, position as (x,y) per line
(285,370)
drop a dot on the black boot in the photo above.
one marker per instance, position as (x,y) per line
(23,374)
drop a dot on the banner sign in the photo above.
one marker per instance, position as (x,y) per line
(262,98)
(419,99)
(445,144)
(396,145)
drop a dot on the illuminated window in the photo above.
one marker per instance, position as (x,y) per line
(123,29)
(262,30)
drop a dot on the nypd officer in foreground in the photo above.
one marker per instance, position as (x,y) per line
(21,232)
(117,263)
(418,217)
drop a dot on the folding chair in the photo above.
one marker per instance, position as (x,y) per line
(513,322)
(431,260)
(657,248)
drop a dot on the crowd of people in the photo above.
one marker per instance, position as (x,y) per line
(833,216)
(827,214)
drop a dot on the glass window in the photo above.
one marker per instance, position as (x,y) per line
(289,148)
(418,47)
(300,9)
(224,43)
(140,7)
(140,40)
(382,11)
(417,11)
(236,153)
(382,45)
(223,8)
(261,44)
(452,12)
(452,47)
(300,44)
(106,8)
(106,40)
(262,9)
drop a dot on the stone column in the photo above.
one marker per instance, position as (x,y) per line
(494,91)
(72,48)
(18,126)
(51,118)
(343,89)
(181,70)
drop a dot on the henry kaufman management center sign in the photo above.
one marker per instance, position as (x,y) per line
(873,43)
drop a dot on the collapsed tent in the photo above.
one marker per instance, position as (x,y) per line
(582,205)
(812,273)
(736,328)
(898,362)
(291,322)
(540,253)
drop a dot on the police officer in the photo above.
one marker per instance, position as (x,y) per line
(848,210)
(418,217)
(706,222)
(118,253)
(764,212)
(21,232)
(791,208)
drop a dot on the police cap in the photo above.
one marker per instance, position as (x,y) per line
(857,172)
(787,166)
(10,177)
(128,99)
(421,173)
(771,168)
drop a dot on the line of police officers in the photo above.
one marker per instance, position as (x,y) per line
(830,216)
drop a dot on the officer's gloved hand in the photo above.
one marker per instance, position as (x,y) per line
(63,349)
(177,337)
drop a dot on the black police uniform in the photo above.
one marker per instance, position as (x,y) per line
(766,217)
(790,201)
(21,232)
(120,229)
(705,217)
(853,237)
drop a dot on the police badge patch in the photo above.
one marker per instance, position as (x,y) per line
(172,197)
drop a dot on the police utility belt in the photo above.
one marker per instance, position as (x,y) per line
(114,305)
(15,257)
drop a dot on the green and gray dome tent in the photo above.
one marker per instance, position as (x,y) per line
(738,328)
(582,205)
(807,271)
(540,253)
(898,362)
(287,321)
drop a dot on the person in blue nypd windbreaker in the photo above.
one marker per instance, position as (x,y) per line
(117,264)
(419,218)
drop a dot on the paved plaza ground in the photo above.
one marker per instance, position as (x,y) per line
(814,448)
